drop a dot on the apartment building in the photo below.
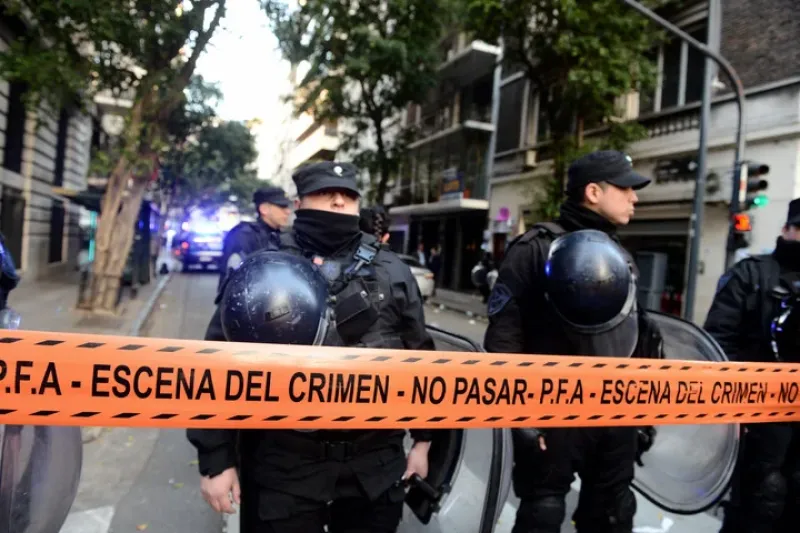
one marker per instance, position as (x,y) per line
(759,38)
(441,198)
(41,150)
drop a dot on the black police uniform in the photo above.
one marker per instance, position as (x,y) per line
(248,237)
(765,495)
(9,278)
(289,477)
(521,321)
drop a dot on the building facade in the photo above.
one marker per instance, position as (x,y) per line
(42,150)
(442,198)
(765,56)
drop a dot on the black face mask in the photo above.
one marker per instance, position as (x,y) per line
(576,217)
(787,253)
(325,232)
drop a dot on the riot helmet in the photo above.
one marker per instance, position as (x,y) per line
(278,298)
(591,287)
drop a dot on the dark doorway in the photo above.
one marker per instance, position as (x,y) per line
(472,237)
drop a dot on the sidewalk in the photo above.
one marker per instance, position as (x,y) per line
(470,304)
(49,305)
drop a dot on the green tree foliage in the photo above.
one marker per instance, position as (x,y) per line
(213,166)
(579,56)
(366,64)
(143,50)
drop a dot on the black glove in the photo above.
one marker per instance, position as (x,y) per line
(530,438)
(644,441)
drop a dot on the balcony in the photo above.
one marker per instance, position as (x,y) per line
(469,63)
(319,141)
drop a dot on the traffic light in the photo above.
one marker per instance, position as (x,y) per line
(742,228)
(756,185)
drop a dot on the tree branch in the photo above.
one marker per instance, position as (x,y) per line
(202,41)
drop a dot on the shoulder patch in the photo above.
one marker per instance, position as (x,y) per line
(234,261)
(499,298)
(724,279)
(331,270)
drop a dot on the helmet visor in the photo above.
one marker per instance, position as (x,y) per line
(618,341)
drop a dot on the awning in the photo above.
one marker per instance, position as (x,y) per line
(91,198)
(441,207)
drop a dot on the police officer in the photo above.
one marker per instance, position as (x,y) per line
(347,480)
(245,238)
(9,278)
(523,318)
(766,484)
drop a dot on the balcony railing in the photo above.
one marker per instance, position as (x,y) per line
(428,191)
(656,124)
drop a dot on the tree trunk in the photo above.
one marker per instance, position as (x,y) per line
(111,260)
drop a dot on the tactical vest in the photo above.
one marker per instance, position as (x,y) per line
(364,305)
(362,297)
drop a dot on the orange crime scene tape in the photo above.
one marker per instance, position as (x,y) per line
(78,379)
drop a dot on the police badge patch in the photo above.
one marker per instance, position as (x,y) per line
(331,270)
(723,280)
(234,261)
(500,296)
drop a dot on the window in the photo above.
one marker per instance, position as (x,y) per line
(681,70)
(61,147)
(15,129)
(56,254)
(510,113)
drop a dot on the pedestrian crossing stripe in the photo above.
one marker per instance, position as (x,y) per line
(78,379)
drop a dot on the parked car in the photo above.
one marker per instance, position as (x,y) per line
(423,276)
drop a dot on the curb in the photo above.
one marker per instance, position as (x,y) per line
(144,314)
(92,433)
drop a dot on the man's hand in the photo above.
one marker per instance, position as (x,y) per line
(217,490)
(418,460)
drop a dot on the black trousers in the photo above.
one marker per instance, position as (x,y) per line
(765,490)
(269,511)
(602,457)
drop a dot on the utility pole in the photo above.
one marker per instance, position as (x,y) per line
(739,170)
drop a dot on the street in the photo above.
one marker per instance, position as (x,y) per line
(147,480)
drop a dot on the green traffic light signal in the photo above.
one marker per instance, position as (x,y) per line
(760,201)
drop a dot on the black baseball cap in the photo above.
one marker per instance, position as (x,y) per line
(608,166)
(271,195)
(326,175)
(794,213)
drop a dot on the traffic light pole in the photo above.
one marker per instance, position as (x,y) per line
(739,170)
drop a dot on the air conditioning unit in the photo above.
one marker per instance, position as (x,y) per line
(529,158)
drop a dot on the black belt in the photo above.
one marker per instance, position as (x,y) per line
(326,445)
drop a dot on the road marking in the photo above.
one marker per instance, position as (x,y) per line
(96,520)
